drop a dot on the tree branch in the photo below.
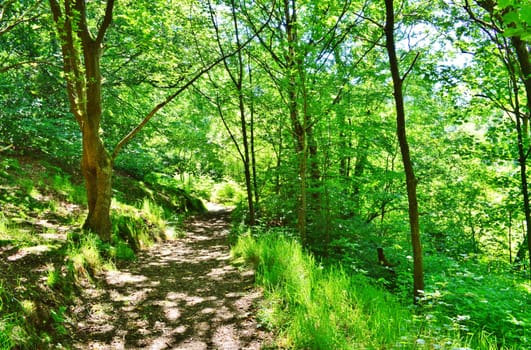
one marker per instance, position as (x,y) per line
(106,21)
(6,148)
(22,17)
(171,97)
(82,25)
(22,63)
(410,67)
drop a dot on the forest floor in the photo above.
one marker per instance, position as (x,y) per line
(180,294)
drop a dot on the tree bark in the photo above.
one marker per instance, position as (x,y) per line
(96,166)
(299,129)
(411,181)
(81,55)
(522,157)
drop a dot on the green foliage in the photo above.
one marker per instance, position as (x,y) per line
(316,307)
(469,296)
(158,188)
(58,317)
(11,332)
(122,251)
(137,228)
(54,277)
(460,125)
(516,16)
(62,185)
(15,332)
(228,193)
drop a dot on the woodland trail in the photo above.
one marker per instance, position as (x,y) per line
(181,294)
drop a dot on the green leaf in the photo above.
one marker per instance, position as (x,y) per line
(504,3)
(511,17)
(525,14)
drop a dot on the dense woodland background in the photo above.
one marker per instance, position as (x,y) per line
(285,109)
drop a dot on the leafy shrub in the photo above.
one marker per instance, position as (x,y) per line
(123,251)
(153,213)
(472,299)
(228,193)
(84,256)
(139,227)
(12,323)
(61,184)
(53,278)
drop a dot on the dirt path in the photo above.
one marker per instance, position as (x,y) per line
(181,294)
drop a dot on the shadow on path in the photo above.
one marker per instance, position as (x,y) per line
(181,294)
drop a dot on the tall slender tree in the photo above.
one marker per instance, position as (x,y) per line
(236,71)
(411,181)
(81,55)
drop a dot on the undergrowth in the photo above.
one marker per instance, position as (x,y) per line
(311,306)
(42,212)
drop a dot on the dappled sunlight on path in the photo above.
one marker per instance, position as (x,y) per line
(181,294)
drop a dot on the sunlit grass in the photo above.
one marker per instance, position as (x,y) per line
(12,325)
(4,225)
(316,307)
(153,213)
(62,185)
(139,227)
(227,193)
(53,276)
(85,257)
(10,231)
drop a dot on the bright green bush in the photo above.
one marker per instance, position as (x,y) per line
(12,324)
(122,251)
(84,256)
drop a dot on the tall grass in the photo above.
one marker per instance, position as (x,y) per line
(85,258)
(139,228)
(316,307)
(153,213)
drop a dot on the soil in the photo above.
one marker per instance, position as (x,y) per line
(181,294)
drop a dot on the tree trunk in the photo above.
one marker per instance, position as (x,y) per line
(84,89)
(96,166)
(299,129)
(522,51)
(411,181)
(522,160)
(522,55)
(253,151)
(520,253)
(522,128)
(247,162)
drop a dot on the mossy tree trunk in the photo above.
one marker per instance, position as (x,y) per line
(81,56)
